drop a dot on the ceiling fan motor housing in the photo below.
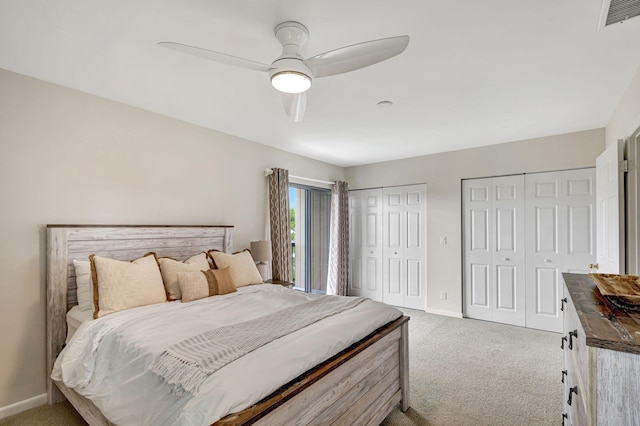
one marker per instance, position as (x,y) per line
(292,35)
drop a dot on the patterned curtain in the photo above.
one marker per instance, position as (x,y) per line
(280,224)
(338,277)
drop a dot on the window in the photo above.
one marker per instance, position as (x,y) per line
(310,214)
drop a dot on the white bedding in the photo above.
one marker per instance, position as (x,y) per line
(107,359)
(75,317)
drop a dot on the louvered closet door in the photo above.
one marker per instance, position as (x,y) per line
(404,246)
(365,245)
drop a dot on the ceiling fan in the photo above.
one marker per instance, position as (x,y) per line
(291,74)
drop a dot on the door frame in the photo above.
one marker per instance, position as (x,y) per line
(632,182)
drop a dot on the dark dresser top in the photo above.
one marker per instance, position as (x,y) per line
(605,325)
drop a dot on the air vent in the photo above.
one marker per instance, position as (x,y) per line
(617,11)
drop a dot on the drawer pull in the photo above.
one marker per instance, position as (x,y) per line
(563,301)
(565,416)
(572,334)
(564,339)
(571,392)
(564,373)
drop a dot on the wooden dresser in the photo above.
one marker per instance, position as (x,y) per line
(601,358)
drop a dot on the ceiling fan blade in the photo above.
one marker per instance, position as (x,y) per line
(295,105)
(216,56)
(356,56)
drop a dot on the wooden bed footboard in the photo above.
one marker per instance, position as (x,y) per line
(360,385)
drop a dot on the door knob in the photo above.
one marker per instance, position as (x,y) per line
(594,266)
(506,259)
(548,260)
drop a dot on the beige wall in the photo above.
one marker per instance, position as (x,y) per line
(68,157)
(443,173)
(626,118)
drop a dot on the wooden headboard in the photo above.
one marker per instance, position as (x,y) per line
(123,242)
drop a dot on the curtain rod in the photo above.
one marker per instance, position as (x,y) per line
(267,172)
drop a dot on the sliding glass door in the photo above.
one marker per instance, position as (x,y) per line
(310,215)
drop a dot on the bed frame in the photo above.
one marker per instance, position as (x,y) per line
(360,385)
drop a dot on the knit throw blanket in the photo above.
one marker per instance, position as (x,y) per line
(185,365)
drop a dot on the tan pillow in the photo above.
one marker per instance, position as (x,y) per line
(198,285)
(171,267)
(223,281)
(242,267)
(119,285)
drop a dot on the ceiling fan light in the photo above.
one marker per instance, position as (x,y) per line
(291,81)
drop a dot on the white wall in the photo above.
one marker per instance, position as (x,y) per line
(68,157)
(443,173)
(626,118)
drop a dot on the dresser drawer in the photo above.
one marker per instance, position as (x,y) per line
(579,397)
(577,353)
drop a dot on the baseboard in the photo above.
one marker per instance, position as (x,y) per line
(23,405)
(445,313)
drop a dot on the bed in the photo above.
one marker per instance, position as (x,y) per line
(346,388)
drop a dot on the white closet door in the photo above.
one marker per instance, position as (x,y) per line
(478,238)
(610,210)
(580,231)
(520,233)
(509,249)
(365,216)
(560,238)
(494,277)
(545,223)
(404,246)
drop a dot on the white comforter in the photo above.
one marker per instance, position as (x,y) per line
(107,359)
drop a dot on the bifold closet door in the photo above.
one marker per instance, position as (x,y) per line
(404,246)
(546,213)
(494,276)
(520,233)
(365,245)
(560,235)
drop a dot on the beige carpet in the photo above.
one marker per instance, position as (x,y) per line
(469,372)
(463,372)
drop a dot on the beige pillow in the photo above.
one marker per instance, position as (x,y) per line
(242,266)
(223,281)
(193,286)
(198,285)
(119,285)
(171,267)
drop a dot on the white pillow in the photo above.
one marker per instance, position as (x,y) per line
(171,267)
(119,285)
(84,284)
(241,265)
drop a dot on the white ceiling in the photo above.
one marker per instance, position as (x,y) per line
(475,72)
